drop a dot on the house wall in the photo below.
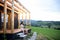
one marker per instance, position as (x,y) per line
(8,23)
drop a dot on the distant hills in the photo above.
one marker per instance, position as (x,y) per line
(45,23)
(48,24)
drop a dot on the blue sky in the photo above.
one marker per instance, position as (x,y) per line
(46,10)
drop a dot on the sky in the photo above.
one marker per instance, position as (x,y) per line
(45,10)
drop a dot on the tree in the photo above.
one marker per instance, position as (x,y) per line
(49,25)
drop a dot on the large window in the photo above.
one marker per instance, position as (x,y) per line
(2,17)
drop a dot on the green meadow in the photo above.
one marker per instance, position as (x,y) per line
(50,34)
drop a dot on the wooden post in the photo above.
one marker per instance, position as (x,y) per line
(29,20)
(26,18)
(5,13)
(22,16)
(9,21)
(18,20)
(12,16)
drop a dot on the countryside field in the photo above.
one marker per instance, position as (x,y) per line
(50,34)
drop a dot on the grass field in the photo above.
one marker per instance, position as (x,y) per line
(46,32)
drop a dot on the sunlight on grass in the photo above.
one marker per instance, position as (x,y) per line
(50,33)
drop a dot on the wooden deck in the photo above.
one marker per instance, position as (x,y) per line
(15,31)
(9,31)
(11,36)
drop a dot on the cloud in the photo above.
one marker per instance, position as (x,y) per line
(43,9)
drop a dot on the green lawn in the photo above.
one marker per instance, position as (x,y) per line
(49,33)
